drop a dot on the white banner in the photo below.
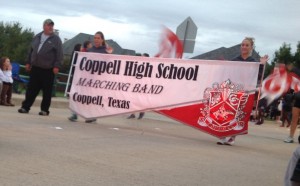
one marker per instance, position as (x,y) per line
(105,85)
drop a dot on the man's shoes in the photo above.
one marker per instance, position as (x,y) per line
(131,116)
(23,111)
(90,120)
(289,140)
(73,117)
(43,113)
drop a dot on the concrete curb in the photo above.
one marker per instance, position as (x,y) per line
(57,102)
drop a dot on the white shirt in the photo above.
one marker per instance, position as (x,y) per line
(6,76)
(42,41)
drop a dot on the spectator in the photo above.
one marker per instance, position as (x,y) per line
(262,104)
(274,112)
(86,45)
(287,108)
(7,80)
(43,62)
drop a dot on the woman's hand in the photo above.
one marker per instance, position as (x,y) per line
(264,59)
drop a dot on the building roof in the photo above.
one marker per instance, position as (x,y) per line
(229,54)
(68,46)
(225,54)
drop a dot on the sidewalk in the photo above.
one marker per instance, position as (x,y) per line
(57,102)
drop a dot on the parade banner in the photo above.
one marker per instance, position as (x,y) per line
(107,85)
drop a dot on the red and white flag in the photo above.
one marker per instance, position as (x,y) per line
(170,45)
(278,83)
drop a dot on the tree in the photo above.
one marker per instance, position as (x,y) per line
(283,55)
(297,56)
(14,41)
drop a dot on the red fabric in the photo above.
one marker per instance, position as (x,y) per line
(213,117)
(190,115)
(170,46)
(278,83)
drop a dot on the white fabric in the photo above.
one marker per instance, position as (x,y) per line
(165,92)
(6,76)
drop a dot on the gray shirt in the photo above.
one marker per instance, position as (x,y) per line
(50,54)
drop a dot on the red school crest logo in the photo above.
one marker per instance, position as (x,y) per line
(223,108)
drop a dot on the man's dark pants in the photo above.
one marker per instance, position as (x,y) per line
(40,79)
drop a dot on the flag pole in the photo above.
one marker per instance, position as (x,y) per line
(259,88)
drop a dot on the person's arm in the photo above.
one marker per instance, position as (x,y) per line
(59,56)
(28,59)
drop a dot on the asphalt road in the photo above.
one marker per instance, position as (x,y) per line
(49,150)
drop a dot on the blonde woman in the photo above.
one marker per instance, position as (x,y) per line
(246,50)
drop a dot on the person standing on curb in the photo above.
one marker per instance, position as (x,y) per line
(43,62)
(7,81)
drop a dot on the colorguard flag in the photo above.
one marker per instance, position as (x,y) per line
(278,83)
(170,45)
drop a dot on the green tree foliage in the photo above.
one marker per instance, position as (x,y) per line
(283,55)
(268,70)
(297,56)
(14,41)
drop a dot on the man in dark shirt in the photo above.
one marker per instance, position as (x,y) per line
(43,62)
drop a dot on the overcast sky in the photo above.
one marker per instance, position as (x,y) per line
(137,25)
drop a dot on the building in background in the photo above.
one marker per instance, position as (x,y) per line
(225,54)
